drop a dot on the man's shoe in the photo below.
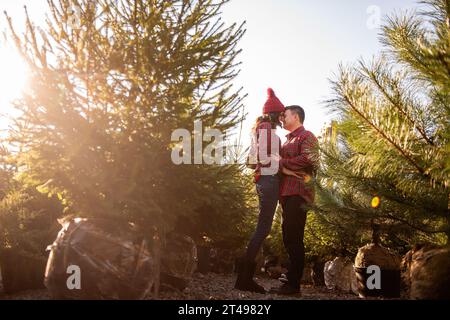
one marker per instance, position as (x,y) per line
(286,289)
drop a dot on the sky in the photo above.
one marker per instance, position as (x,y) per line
(292,46)
(295,46)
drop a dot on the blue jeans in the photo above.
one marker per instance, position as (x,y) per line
(267,188)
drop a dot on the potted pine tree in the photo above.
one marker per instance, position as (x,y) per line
(109,88)
(26,220)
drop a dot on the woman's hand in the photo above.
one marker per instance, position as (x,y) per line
(298,174)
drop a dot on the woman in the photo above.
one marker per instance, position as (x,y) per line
(263,159)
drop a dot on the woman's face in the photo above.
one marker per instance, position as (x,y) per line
(281,118)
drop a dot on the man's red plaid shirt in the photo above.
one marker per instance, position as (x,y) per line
(300,152)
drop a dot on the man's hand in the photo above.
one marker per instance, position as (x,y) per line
(298,174)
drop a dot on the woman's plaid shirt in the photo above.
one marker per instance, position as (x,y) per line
(300,152)
(265,136)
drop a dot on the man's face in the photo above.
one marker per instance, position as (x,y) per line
(289,120)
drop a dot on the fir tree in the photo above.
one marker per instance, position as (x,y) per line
(111,80)
(392,137)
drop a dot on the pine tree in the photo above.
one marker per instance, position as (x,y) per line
(6,172)
(392,137)
(111,80)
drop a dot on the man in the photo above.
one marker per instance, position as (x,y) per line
(300,153)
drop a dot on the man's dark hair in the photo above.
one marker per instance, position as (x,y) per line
(299,111)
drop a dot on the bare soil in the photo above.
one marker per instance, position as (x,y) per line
(214,286)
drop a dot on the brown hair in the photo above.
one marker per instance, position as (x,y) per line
(272,117)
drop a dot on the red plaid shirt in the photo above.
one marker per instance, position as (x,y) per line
(265,134)
(300,152)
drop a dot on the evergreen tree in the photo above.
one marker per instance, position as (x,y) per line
(111,81)
(391,138)
(6,172)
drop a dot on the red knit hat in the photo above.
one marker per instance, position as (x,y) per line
(273,104)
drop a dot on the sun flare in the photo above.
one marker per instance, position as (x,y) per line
(13,78)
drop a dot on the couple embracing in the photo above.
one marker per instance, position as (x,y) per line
(282,174)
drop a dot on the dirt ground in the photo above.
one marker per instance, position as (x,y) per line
(214,286)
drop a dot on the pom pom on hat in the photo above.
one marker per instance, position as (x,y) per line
(273,104)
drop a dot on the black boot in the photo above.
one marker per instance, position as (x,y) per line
(287,289)
(244,281)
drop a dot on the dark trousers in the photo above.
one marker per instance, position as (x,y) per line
(294,219)
(267,188)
